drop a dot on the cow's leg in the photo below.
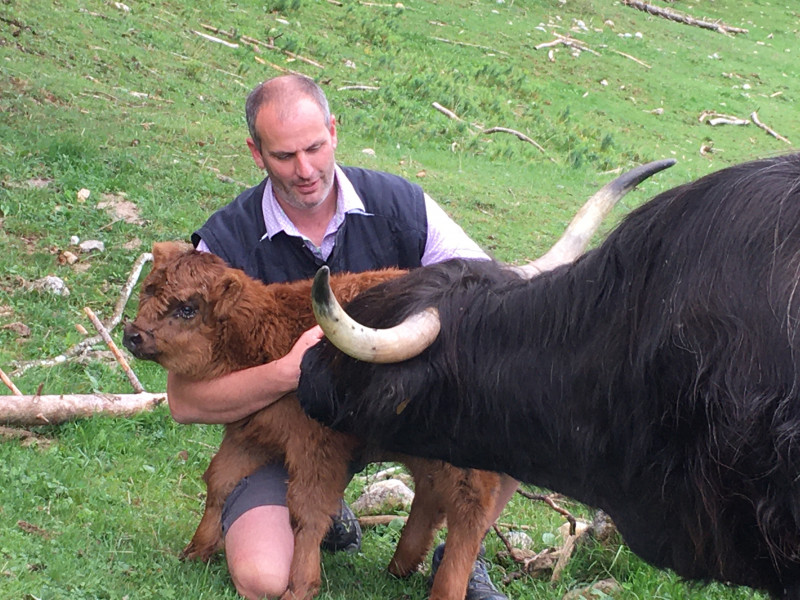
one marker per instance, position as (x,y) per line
(469,497)
(318,475)
(424,520)
(226,469)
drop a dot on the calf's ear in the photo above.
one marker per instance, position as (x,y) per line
(227,293)
(164,252)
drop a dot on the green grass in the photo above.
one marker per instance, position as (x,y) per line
(135,103)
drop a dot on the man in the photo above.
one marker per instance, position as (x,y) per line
(306,213)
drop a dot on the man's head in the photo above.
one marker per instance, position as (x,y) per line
(293,137)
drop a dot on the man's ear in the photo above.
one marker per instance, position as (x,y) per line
(255,151)
(164,252)
(226,295)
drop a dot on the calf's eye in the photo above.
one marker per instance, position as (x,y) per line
(186,312)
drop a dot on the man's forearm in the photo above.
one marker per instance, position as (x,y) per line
(227,398)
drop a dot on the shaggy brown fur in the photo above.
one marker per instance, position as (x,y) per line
(202,319)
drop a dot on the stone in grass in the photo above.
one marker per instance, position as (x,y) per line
(382,497)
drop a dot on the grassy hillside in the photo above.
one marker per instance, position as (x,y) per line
(138,105)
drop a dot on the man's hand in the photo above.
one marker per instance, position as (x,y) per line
(290,364)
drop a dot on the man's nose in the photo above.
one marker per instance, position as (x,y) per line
(303,165)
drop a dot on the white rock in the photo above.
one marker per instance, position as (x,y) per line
(383,496)
(91,245)
(52,284)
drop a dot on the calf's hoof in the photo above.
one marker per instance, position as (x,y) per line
(300,592)
(197,552)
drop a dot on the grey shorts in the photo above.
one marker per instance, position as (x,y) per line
(265,487)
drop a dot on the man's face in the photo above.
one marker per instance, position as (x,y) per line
(297,151)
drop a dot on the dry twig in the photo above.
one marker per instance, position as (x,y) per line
(364,88)
(450,114)
(772,132)
(216,40)
(447,112)
(633,58)
(9,384)
(549,501)
(137,386)
(570,42)
(271,46)
(374,520)
(519,135)
(467,44)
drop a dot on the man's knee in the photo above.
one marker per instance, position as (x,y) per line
(255,580)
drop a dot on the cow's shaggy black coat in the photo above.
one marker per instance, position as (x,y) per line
(656,378)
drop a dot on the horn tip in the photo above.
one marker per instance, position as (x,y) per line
(321,289)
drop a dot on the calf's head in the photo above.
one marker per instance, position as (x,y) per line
(186,303)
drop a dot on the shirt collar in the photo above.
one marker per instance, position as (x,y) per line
(275,219)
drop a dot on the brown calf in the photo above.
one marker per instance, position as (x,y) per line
(201,319)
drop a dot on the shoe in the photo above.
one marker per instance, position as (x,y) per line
(480,587)
(345,532)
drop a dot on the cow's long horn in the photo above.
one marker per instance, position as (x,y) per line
(395,344)
(584,224)
(418,331)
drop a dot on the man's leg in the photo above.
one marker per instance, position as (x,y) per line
(258,548)
(259,541)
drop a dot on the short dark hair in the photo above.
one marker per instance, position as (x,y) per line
(282,87)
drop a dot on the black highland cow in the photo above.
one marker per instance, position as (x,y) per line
(657,377)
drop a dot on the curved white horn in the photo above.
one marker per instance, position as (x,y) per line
(586,221)
(395,344)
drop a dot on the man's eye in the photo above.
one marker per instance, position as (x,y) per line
(186,312)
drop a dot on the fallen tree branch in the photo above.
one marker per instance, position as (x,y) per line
(682,18)
(772,132)
(213,29)
(50,410)
(715,118)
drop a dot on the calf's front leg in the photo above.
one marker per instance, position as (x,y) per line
(225,470)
